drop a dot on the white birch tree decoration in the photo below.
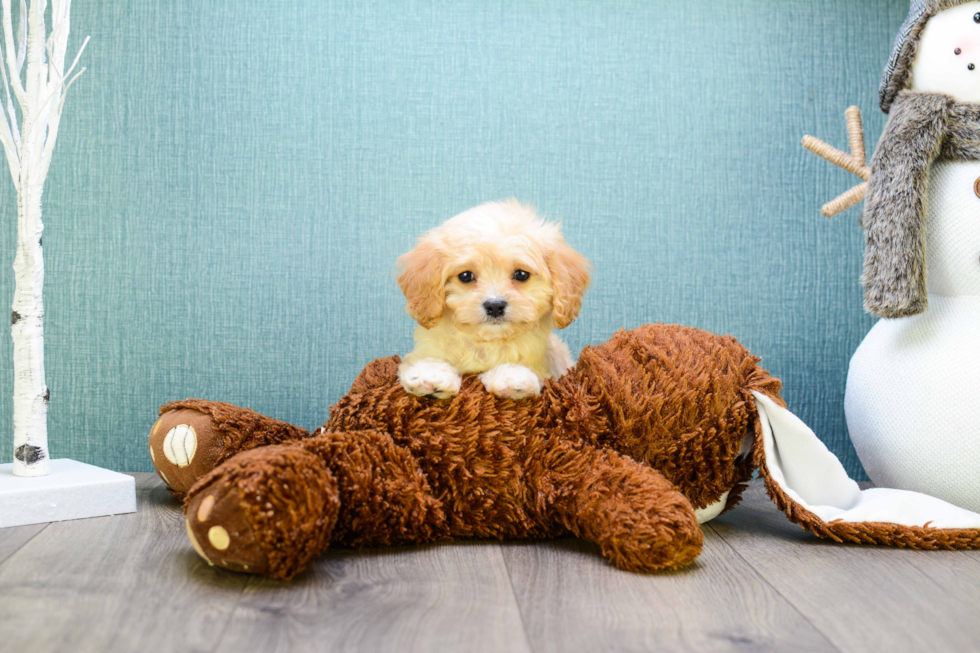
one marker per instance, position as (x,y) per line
(59,489)
(39,91)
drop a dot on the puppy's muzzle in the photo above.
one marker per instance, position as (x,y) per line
(495,308)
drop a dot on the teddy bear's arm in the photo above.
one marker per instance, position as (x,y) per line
(638,518)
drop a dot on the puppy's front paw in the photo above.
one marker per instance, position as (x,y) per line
(511,381)
(430,377)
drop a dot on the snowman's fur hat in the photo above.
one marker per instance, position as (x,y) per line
(898,72)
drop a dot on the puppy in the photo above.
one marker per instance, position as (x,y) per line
(487,288)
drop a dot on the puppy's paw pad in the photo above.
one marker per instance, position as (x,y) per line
(435,379)
(517,392)
(511,382)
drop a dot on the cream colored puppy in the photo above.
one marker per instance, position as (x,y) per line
(487,288)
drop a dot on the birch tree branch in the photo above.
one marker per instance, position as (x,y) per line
(81,49)
(10,143)
(21,37)
(54,123)
(36,77)
(10,109)
(60,81)
(57,41)
(9,150)
(13,55)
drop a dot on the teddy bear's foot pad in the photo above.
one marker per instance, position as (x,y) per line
(184,447)
(265,511)
(218,527)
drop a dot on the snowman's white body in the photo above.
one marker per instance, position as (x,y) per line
(913,389)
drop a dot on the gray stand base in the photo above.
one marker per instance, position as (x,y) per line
(72,490)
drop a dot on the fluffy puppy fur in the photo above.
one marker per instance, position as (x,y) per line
(487,288)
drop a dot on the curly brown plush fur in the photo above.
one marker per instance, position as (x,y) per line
(223,430)
(646,428)
(619,451)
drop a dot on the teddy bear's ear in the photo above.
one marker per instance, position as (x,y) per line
(570,277)
(420,276)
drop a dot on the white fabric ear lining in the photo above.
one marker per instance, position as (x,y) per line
(814,478)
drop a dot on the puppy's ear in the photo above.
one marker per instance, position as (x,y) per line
(420,278)
(570,277)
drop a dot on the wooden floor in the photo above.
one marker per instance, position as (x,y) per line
(133,583)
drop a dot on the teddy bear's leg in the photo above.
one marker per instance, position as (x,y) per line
(265,511)
(193,437)
(271,510)
(385,496)
(638,518)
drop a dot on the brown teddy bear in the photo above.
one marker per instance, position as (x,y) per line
(649,433)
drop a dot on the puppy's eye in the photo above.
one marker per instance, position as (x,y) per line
(522,275)
(467,277)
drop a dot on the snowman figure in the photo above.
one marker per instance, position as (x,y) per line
(913,388)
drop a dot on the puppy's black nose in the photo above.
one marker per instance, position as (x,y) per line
(495,307)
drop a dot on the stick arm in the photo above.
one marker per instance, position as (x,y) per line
(855,162)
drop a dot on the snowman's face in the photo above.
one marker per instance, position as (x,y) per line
(947,59)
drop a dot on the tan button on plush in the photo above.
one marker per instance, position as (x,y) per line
(218,537)
(204,510)
(976,187)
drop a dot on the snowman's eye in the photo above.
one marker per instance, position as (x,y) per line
(976,17)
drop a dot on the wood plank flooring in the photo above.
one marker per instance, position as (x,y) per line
(132,582)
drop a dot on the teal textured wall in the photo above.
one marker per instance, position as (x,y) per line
(235,179)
